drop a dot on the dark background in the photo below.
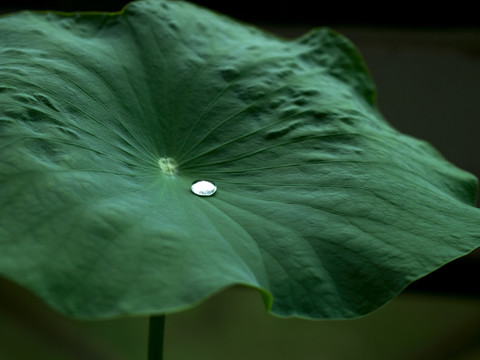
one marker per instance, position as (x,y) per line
(397,14)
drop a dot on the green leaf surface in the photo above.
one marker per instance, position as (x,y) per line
(106,119)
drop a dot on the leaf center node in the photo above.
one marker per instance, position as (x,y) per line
(168,165)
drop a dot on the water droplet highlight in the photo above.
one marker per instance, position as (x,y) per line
(203,188)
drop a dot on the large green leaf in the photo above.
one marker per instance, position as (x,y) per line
(106,119)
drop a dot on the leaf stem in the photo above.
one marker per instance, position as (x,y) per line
(155,337)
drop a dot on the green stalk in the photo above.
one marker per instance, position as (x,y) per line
(155,337)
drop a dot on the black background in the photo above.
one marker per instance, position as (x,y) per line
(326,13)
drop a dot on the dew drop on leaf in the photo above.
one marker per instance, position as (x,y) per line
(203,188)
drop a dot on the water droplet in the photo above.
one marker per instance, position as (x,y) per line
(203,188)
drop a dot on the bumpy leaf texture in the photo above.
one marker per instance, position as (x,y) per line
(106,119)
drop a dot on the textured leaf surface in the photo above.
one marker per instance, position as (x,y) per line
(320,204)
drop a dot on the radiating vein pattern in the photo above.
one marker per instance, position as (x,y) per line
(117,129)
